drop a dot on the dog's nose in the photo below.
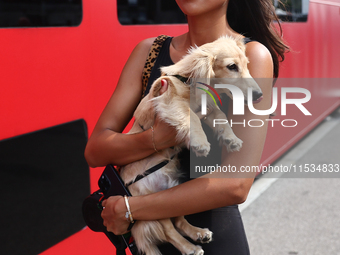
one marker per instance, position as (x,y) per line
(256,95)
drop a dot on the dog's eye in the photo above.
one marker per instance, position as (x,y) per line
(233,67)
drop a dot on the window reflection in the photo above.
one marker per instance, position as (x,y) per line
(292,10)
(133,12)
(40,13)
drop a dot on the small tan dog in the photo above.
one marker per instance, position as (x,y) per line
(222,61)
(173,107)
(224,58)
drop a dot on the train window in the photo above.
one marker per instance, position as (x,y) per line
(44,180)
(133,12)
(40,13)
(292,10)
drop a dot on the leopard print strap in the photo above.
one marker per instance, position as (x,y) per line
(150,61)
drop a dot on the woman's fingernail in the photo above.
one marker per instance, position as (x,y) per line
(163,82)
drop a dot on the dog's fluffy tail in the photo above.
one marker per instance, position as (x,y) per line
(147,235)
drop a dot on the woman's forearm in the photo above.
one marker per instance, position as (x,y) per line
(197,195)
(107,144)
(109,147)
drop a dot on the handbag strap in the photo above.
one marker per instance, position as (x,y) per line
(150,61)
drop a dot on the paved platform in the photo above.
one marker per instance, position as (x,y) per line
(291,215)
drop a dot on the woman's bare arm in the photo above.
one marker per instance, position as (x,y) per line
(107,144)
(203,194)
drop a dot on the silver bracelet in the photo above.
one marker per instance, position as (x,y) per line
(128,214)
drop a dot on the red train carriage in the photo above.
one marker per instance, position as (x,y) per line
(60,62)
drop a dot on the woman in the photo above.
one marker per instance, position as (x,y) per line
(207,21)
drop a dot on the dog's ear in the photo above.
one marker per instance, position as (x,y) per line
(240,43)
(197,63)
(157,86)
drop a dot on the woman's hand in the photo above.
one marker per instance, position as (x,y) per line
(164,135)
(113,215)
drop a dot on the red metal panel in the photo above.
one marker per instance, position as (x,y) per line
(84,242)
(51,76)
(54,75)
(314,54)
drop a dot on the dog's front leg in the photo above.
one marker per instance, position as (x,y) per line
(202,235)
(218,122)
(198,140)
(177,240)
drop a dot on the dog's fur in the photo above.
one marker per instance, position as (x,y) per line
(173,106)
(222,61)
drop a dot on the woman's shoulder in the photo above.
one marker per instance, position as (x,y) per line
(143,47)
(260,58)
(148,42)
(140,53)
(145,44)
(257,50)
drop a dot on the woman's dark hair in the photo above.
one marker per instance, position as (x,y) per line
(254,19)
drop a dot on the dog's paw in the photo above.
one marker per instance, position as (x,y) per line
(232,143)
(197,251)
(201,148)
(205,236)
(227,138)
(201,151)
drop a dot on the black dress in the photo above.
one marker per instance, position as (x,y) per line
(229,237)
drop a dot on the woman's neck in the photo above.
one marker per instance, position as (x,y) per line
(208,27)
(203,29)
